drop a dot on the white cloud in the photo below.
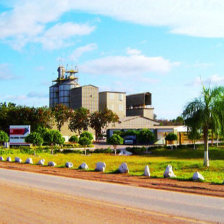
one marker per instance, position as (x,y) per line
(202,18)
(37,95)
(30,99)
(78,52)
(127,65)
(131,51)
(212,80)
(58,35)
(28,20)
(5,73)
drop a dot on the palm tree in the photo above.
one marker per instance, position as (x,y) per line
(206,111)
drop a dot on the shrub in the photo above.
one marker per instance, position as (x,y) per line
(115,140)
(53,137)
(84,141)
(136,150)
(34,138)
(145,136)
(87,135)
(171,137)
(3,137)
(108,150)
(74,139)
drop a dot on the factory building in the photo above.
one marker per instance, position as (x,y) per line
(60,92)
(135,111)
(115,101)
(85,96)
(67,91)
(140,104)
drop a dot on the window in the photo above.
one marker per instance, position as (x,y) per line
(121,97)
(120,107)
(111,96)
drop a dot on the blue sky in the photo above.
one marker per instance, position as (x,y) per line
(165,47)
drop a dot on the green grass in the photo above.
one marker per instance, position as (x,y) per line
(184,161)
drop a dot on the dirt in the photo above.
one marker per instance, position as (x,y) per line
(27,205)
(139,181)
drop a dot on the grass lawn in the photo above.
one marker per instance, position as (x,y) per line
(184,161)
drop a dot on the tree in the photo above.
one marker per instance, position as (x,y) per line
(74,139)
(10,114)
(34,138)
(205,110)
(100,120)
(115,140)
(3,137)
(84,141)
(171,137)
(79,120)
(87,135)
(61,113)
(194,135)
(145,136)
(53,137)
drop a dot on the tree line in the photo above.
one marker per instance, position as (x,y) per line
(43,117)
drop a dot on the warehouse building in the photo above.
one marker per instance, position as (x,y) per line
(135,111)
(115,101)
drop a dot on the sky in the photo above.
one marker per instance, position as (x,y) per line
(170,48)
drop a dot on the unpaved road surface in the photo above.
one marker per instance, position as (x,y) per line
(37,198)
(138,181)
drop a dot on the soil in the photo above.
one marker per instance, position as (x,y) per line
(27,205)
(139,181)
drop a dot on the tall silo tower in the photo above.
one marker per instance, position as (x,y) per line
(61,90)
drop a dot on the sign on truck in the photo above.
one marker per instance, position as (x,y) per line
(18,134)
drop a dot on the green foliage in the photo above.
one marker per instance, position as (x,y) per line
(87,135)
(145,136)
(61,114)
(118,132)
(53,137)
(84,141)
(74,139)
(130,132)
(206,112)
(194,134)
(108,150)
(171,137)
(3,137)
(115,140)
(34,138)
(79,120)
(23,115)
(137,150)
(100,120)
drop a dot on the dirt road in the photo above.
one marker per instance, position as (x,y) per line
(77,199)
(25,205)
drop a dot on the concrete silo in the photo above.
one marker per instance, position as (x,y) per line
(60,92)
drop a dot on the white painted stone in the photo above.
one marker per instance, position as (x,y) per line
(51,163)
(169,172)
(147,171)
(1,158)
(18,160)
(9,159)
(125,153)
(197,176)
(84,166)
(29,161)
(100,166)
(41,162)
(69,164)
(123,168)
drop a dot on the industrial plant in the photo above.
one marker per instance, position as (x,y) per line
(135,111)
